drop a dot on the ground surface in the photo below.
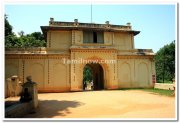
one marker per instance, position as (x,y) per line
(105,104)
(11,101)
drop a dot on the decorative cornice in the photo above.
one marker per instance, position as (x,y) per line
(37,56)
(67,56)
(94,50)
(135,57)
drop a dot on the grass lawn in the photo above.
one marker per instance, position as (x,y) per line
(153,90)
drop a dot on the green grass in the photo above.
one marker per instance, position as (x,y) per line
(152,90)
(160,91)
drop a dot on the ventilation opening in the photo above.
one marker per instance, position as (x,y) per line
(94,37)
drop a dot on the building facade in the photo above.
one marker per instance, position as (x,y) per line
(59,66)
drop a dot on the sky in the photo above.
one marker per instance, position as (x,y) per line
(157,22)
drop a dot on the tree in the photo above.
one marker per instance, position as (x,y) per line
(9,35)
(39,39)
(35,39)
(8,27)
(37,35)
(21,33)
(165,62)
(87,74)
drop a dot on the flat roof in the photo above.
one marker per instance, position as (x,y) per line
(58,25)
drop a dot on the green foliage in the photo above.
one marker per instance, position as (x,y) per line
(35,39)
(165,62)
(152,90)
(87,74)
(8,27)
(165,81)
(160,91)
(37,35)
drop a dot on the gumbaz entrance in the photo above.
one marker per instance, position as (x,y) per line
(93,77)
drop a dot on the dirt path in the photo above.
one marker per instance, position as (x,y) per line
(105,104)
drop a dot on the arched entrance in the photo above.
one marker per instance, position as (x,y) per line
(93,75)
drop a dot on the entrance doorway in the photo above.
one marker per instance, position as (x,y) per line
(93,77)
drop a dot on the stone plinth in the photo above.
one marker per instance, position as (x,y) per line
(32,89)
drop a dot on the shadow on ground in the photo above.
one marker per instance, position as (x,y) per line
(51,108)
(10,103)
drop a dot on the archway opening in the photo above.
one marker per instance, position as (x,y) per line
(93,77)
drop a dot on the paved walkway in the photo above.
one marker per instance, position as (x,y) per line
(105,104)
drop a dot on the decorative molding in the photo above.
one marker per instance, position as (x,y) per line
(49,39)
(135,57)
(94,50)
(37,56)
(48,73)
(23,69)
(73,37)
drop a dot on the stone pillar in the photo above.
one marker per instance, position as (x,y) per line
(32,89)
(12,87)
(16,85)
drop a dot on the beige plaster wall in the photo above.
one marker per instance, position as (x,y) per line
(50,75)
(123,41)
(36,69)
(54,76)
(109,38)
(58,76)
(135,73)
(11,68)
(77,37)
(60,40)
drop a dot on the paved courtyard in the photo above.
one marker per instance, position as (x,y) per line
(104,104)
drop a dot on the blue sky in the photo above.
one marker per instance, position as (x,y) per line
(156,22)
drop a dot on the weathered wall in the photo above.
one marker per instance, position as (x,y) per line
(11,68)
(60,40)
(108,38)
(135,73)
(123,41)
(36,69)
(77,37)
(58,76)
(50,75)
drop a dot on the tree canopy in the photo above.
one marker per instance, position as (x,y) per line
(8,27)
(35,39)
(165,62)
(87,74)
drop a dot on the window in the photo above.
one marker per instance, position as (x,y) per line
(93,37)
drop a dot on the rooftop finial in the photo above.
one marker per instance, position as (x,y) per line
(107,22)
(76,20)
(51,19)
(128,24)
